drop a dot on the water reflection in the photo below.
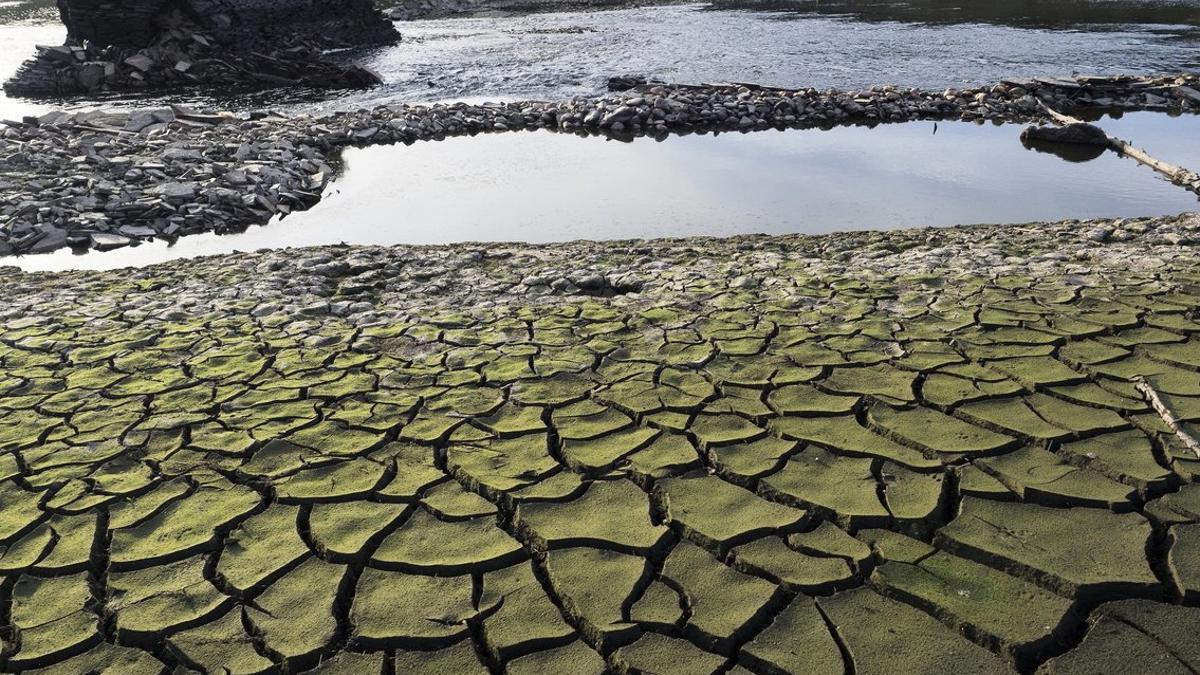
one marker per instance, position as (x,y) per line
(543,187)
(1071,152)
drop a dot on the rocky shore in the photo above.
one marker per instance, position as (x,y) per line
(368,284)
(144,45)
(104,180)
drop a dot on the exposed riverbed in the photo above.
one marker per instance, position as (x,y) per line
(542,187)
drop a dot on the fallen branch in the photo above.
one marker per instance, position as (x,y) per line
(1176,174)
(1165,413)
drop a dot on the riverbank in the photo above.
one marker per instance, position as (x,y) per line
(542,446)
(403,282)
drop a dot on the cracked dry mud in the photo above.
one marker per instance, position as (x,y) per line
(923,451)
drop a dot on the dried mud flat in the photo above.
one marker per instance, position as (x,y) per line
(945,450)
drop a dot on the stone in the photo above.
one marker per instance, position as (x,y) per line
(90,76)
(1082,134)
(141,62)
(177,191)
(106,242)
(137,231)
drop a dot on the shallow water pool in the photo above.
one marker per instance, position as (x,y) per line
(542,187)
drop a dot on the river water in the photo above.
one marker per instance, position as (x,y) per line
(819,43)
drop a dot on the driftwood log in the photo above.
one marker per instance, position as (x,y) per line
(1176,174)
(1168,416)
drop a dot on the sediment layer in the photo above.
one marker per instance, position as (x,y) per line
(103,180)
(922,450)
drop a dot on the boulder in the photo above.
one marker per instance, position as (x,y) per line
(90,76)
(1081,134)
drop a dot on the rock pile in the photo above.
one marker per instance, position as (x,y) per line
(145,44)
(123,178)
(109,179)
(247,23)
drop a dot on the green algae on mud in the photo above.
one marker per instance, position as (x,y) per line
(770,443)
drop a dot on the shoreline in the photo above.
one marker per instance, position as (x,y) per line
(403,281)
(103,180)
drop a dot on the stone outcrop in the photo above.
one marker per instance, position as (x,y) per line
(136,45)
(131,23)
(244,22)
